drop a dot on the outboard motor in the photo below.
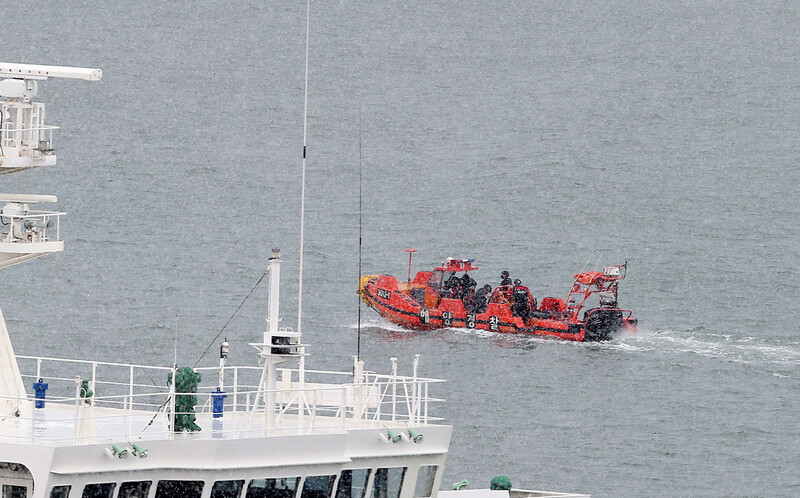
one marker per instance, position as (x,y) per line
(601,324)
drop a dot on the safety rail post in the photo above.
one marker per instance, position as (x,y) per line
(129,400)
(418,409)
(171,423)
(313,415)
(381,394)
(302,406)
(344,408)
(94,383)
(78,417)
(394,388)
(426,402)
(236,389)
(414,392)
(408,398)
(357,380)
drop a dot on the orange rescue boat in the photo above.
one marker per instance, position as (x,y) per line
(449,297)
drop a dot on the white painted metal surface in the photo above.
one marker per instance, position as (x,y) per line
(25,140)
(12,391)
(28,198)
(48,72)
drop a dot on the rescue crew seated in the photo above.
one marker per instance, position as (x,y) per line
(504,278)
(467,291)
(451,287)
(480,299)
(519,301)
(467,285)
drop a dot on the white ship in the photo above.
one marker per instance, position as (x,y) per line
(271,429)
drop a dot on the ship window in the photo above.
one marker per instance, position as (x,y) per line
(184,489)
(318,487)
(388,482)
(134,489)
(60,492)
(102,490)
(11,491)
(425,478)
(285,487)
(353,483)
(227,489)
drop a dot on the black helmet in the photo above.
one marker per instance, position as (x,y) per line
(504,274)
(517,282)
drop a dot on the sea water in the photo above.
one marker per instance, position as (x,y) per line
(540,138)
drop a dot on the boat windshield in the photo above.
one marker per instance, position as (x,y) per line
(435,282)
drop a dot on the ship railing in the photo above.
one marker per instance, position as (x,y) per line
(37,139)
(117,385)
(78,420)
(303,400)
(314,393)
(377,399)
(35,226)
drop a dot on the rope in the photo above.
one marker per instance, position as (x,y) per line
(231,318)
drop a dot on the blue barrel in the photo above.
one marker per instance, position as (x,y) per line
(218,402)
(39,389)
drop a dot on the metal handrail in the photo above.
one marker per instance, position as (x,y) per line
(378,400)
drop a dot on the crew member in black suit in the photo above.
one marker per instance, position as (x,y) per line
(519,300)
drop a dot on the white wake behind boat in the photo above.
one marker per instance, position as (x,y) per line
(272,429)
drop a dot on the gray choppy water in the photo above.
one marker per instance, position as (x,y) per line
(526,135)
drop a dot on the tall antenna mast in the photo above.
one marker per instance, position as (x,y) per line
(303,188)
(358,347)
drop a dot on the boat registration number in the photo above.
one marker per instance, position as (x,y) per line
(384,294)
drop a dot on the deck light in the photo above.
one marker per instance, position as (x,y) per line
(414,436)
(391,436)
(139,451)
(116,451)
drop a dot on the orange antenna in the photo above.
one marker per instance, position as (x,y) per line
(410,252)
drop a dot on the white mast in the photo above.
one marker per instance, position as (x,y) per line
(303,181)
(274,292)
(303,200)
(278,346)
